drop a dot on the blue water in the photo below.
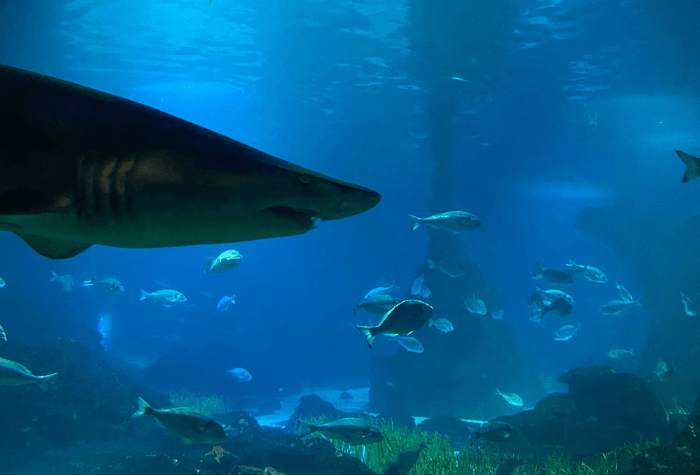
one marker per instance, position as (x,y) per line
(575,104)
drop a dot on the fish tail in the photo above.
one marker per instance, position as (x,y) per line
(431,322)
(144,408)
(208,268)
(44,382)
(54,276)
(692,164)
(305,428)
(367,332)
(144,294)
(415,222)
(356,307)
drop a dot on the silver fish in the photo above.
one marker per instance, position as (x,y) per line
(475,305)
(688,305)
(377,304)
(99,169)
(110,285)
(381,291)
(511,398)
(442,324)
(452,221)
(65,281)
(225,302)
(165,297)
(551,295)
(663,369)
(3,335)
(619,353)
(692,166)
(184,422)
(497,314)
(14,374)
(409,343)
(353,430)
(424,291)
(566,332)
(625,294)
(224,262)
(402,319)
(552,275)
(618,306)
(590,273)
(242,375)
(417,285)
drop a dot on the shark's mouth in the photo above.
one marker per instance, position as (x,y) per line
(302,217)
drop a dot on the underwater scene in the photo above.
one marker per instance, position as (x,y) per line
(352,237)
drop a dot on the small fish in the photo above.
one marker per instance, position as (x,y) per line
(559,307)
(549,296)
(688,305)
(381,291)
(226,261)
(496,431)
(593,274)
(508,465)
(377,304)
(692,166)
(497,314)
(566,332)
(475,305)
(452,221)
(663,369)
(511,398)
(2,283)
(618,353)
(409,343)
(3,335)
(240,374)
(403,319)
(65,281)
(449,266)
(110,285)
(165,297)
(442,324)
(552,275)
(618,306)
(225,302)
(353,430)
(404,462)
(625,294)
(184,422)
(14,374)
(417,285)
(424,292)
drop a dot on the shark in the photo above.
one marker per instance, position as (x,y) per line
(80,167)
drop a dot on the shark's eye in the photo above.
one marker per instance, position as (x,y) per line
(305,179)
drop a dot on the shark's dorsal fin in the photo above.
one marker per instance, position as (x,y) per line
(692,166)
(54,248)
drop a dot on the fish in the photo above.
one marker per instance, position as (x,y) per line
(65,281)
(618,353)
(14,374)
(224,262)
(95,168)
(442,324)
(559,307)
(2,283)
(225,302)
(625,294)
(552,275)
(377,304)
(452,221)
(475,305)
(497,314)
(3,335)
(381,291)
(424,292)
(511,398)
(692,166)
(417,285)
(688,306)
(403,319)
(110,285)
(496,431)
(508,465)
(448,266)
(663,369)
(191,426)
(592,274)
(403,463)
(616,307)
(566,332)
(240,374)
(551,295)
(353,430)
(409,343)
(165,297)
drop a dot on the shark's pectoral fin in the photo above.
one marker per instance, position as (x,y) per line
(54,248)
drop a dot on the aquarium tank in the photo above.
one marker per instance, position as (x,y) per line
(349,237)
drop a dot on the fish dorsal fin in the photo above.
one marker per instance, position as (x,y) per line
(693,166)
(54,248)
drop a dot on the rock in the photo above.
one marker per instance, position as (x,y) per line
(680,455)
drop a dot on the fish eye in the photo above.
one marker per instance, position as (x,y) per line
(305,179)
